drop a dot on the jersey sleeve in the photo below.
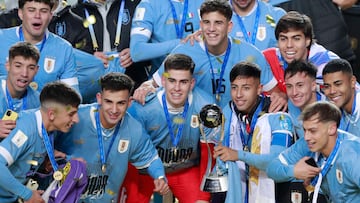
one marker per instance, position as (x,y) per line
(69,74)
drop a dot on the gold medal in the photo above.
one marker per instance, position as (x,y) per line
(218,98)
(310,188)
(58,175)
(246,148)
(103,168)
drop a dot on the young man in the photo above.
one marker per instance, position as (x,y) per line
(171,118)
(114,138)
(334,171)
(294,33)
(253,137)
(340,88)
(254,22)
(301,89)
(23,151)
(15,93)
(57,60)
(215,56)
(159,26)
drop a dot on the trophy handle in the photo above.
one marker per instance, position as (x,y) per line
(208,168)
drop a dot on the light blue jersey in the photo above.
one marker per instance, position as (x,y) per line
(20,154)
(259,25)
(57,61)
(295,112)
(132,144)
(351,122)
(318,56)
(341,183)
(31,99)
(154,33)
(153,118)
(240,51)
(272,133)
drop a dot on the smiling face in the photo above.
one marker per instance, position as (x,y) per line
(339,87)
(21,72)
(300,89)
(177,84)
(63,117)
(215,28)
(244,92)
(293,45)
(35,18)
(113,106)
(320,135)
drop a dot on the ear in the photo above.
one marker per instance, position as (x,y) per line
(259,88)
(192,83)
(20,14)
(313,86)
(332,128)
(7,65)
(51,112)
(353,82)
(230,26)
(98,98)
(308,42)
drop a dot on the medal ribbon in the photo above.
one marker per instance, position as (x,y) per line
(223,66)
(21,35)
(174,140)
(104,157)
(324,169)
(118,27)
(10,103)
(256,25)
(48,142)
(179,30)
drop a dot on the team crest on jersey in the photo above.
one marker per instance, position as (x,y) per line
(19,139)
(123,146)
(126,17)
(296,197)
(34,85)
(194,121)
(60,28)
(49,65)
(339,176)
(261,33)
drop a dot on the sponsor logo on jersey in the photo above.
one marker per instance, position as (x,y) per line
(19,139)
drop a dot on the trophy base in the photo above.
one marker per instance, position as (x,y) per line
(214,184)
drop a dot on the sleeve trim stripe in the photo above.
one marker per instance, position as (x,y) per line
(149,163)
(6,154)
(70,81)
(141,31)
(283,160)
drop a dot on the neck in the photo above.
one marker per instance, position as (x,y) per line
(243,11)
(349,106)
(13,93)
(330,146)
(32,39)
(219,49)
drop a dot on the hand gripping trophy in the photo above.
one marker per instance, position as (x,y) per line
(215,179)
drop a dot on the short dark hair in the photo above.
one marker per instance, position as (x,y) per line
(51,3)
(24,49)
(297,21)
(338,65)
(246,69)
(324,110)
(300,66)
(61,93)
(116,82)
(221,6)
(179,62)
